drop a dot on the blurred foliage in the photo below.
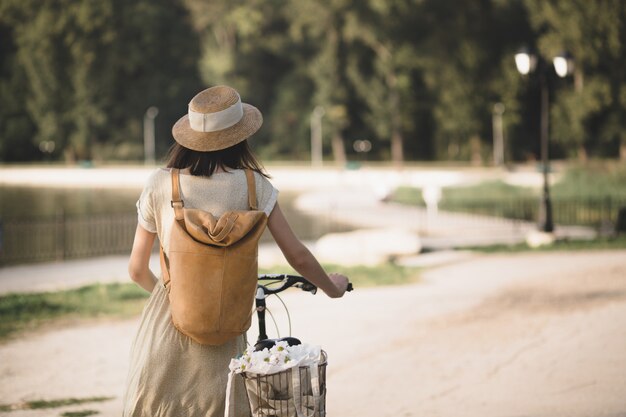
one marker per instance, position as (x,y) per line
(417,78)
(591,116)
(82,74)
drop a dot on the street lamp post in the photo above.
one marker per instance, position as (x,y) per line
(148,135)
(498,134)
(316,136)
(526,63)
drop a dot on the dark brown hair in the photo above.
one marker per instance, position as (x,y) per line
(205,164)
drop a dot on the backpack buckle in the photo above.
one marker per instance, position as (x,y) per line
(182,203)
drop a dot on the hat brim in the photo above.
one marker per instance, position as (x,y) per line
(250,122)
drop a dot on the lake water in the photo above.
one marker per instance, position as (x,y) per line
(30,203)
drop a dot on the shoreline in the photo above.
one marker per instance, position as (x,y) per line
(288,178)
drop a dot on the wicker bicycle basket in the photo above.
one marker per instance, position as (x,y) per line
(274,394)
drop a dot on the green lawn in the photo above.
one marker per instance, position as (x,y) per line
(591,181)
(492,190)
(595,180)
(585,196)
(29,311)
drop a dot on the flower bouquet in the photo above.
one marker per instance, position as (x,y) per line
(283,381)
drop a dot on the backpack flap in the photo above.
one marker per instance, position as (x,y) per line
(225,231)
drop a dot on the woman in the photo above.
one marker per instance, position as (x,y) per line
(171,375)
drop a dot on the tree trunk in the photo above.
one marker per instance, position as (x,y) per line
(475,151)
(339,152)
(578,80)
(397,151)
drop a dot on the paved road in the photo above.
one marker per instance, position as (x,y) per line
(495,335)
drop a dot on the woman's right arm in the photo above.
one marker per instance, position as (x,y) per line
(301,259)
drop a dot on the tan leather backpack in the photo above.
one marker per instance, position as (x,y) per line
(210,270)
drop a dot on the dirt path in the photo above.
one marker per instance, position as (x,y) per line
(515,335)
(539,335)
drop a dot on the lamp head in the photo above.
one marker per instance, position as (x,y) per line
(563,64)
(525,61)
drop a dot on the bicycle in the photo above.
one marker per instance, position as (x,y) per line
(298,391)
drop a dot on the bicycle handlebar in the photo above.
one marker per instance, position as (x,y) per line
(285,282)
(288,281)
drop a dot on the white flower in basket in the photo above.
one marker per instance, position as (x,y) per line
(284,381)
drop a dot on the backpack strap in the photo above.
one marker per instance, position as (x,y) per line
(164,269)
(177,202)
(251,190)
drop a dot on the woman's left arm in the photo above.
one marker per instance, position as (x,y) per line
(139,263)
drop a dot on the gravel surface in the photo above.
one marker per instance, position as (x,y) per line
(496,335)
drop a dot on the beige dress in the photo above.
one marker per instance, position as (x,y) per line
(170,375)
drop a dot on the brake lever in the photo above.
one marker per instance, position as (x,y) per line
(307,286)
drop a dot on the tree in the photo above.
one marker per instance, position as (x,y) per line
(321,27)
(463,65)
(93,67)
(38,35)
(592,116)
(418,78)
(384,81)
(16,127)
(244,44)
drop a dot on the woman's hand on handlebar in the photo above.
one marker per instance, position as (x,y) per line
(341,283)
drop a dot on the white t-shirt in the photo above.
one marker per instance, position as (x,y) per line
(217,194)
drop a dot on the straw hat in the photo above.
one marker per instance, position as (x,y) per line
(217,119)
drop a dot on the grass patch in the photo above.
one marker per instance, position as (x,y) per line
(492,190)
(82,413)
(42,404)
(604,243)
(589,195)
(495,190)
(29,311)
(594,180)
(365,276)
